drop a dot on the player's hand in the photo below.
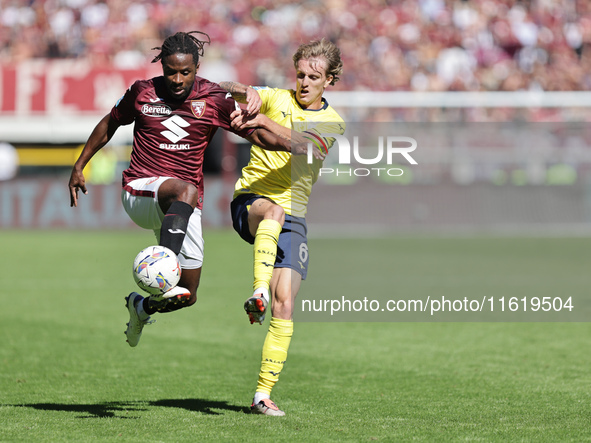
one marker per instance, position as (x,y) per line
(301,148)
(253,101)
(242,120)
(77,182)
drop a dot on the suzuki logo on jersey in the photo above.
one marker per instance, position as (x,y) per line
(198,107)
(156,110)
(175,125)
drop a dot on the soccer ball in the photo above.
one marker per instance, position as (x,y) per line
(156,270)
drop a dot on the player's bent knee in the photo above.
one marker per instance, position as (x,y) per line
(282,309)
(177,190)
(276,213)
(190,195)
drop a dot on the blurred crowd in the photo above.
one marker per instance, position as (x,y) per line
(408,45)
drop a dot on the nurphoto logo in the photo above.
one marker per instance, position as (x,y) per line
(387,148)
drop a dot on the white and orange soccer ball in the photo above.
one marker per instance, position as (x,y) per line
(156,270)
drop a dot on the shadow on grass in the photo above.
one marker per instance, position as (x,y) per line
(126,410)
(98,410)
(199,405)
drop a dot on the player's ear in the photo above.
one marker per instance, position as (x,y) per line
(328,80)
(197,67)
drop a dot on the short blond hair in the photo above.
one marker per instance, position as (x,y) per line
(325,49)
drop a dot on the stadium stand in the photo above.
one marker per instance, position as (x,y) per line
(425,45)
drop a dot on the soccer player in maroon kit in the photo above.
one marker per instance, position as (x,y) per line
(176,116)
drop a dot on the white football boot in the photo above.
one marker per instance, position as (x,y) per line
(135,324)
(177,291)
(266,407)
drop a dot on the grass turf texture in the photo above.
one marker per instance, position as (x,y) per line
(67,373)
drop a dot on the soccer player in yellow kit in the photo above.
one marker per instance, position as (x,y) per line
(271,196)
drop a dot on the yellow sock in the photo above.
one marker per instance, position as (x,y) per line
(274,353)
(265,251)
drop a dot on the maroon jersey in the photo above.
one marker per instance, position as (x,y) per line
(169,137)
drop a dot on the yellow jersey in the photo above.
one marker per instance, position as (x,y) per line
(287,179)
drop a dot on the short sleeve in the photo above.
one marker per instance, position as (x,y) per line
(320,133)
(225,105)
(124,110)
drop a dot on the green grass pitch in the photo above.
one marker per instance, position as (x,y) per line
(68,375)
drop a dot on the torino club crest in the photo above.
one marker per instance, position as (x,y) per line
(198,107)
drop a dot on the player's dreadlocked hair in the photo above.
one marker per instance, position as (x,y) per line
(327,50)
(182,43)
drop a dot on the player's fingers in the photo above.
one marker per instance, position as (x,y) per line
(253,102)
(237,123)
(318,154)
(250,109)
(254,106)
(73,197)
(236,120)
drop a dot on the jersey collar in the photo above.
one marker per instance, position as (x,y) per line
(322,108)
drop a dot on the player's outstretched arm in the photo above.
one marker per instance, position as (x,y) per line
(272,136)
(99,137)
(245,95)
